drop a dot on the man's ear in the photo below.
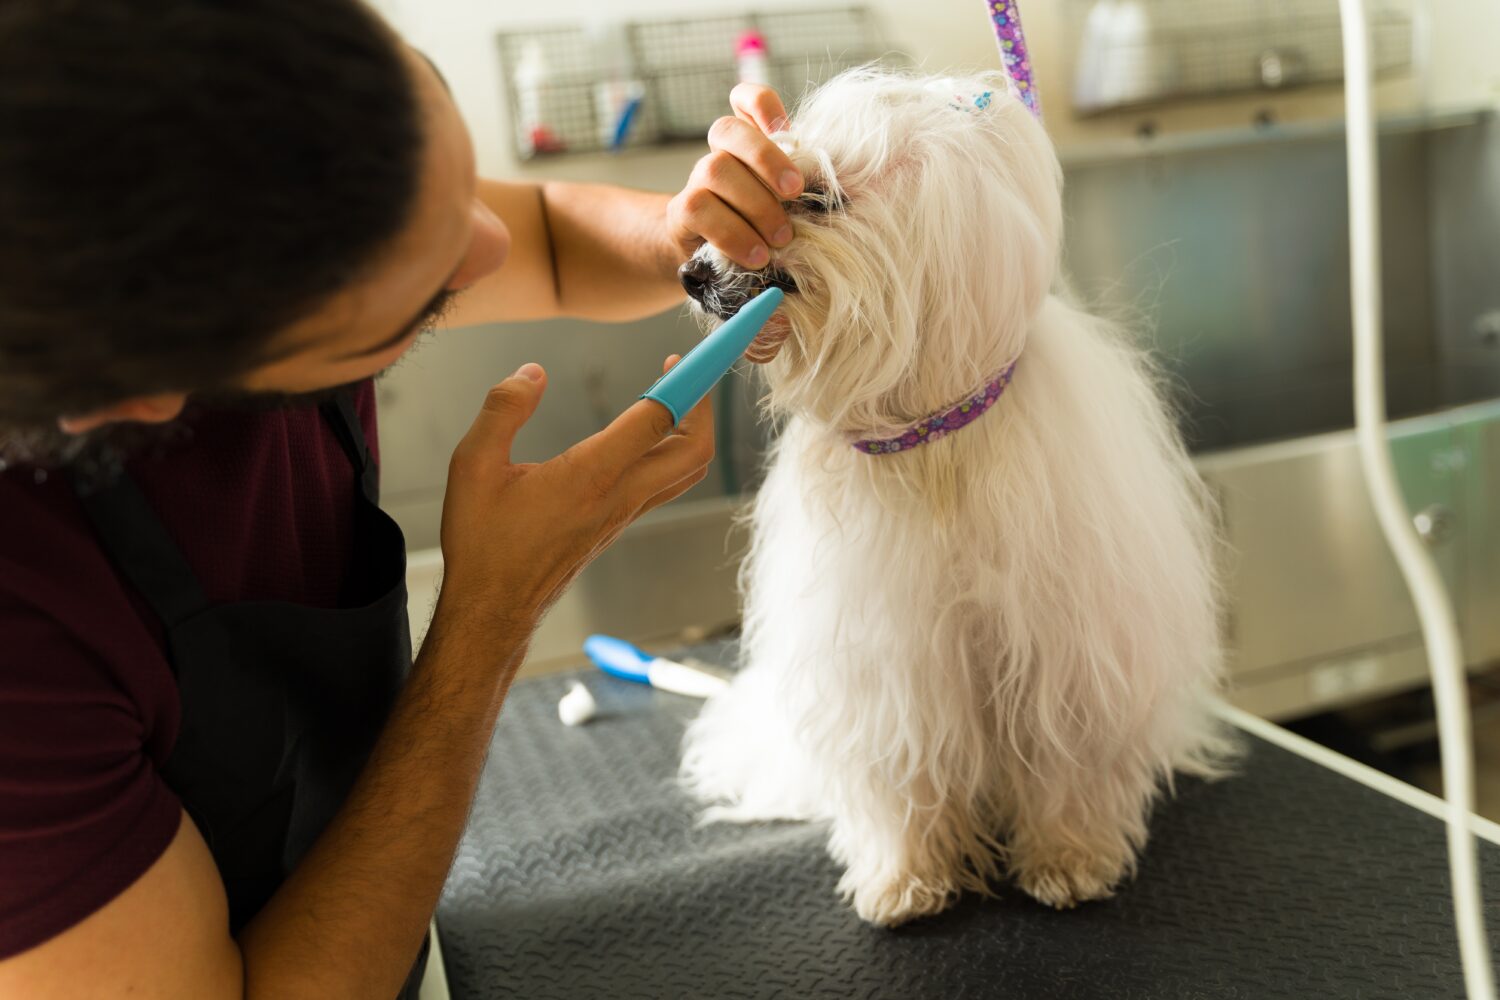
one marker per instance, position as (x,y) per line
(142,410)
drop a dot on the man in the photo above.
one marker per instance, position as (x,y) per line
(220,776)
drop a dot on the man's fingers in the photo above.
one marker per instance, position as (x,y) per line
(760,105)
(747,142)
(507,407)
(727,229)
(734,199)
(683,454)
(729,178)
(665,496)
(638,455)
(675,490)
(628,437)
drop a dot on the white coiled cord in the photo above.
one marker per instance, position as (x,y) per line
(1439,627)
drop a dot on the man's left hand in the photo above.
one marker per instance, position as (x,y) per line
(734,196)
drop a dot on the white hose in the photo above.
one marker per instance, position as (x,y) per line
(1439,629)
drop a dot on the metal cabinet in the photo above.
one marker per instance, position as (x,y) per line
(1319,614)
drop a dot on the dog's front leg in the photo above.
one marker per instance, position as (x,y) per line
(902,860)
(1077,829)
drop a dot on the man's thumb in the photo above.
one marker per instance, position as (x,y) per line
(507,407)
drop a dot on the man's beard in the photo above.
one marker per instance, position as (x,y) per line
(100,455)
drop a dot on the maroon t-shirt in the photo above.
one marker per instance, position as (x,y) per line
(259,503)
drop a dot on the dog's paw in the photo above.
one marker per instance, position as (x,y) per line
(1063,883)
(892,900)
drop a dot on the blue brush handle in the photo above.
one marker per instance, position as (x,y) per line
(618,658)
(681,389)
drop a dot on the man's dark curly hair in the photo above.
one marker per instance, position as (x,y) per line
(179,180)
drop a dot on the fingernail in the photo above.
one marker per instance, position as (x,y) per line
(530,371)
(783,236)
(759,256)
(791,183)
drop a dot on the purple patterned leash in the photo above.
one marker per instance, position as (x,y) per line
(929,429)
(1013,51)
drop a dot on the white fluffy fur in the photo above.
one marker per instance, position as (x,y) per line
(992,651)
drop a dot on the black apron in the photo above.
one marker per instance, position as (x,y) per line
(281,702)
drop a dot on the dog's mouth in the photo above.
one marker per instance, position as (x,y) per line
(722,299)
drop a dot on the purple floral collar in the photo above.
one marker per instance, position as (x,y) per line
(941,424)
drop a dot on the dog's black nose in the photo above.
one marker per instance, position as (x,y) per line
(696,275)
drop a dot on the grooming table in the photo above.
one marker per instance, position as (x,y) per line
(582,875)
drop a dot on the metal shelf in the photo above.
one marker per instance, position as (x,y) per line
(684,67)
(1135,54)
(1208,140)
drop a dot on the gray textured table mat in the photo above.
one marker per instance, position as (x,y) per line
(582,875)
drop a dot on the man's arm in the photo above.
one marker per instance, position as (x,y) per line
(585,250)
(349,921)
(606,253)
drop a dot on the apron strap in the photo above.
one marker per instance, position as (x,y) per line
(342,417)
(143,551)
(139,546)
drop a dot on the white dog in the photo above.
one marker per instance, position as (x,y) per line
(981,617)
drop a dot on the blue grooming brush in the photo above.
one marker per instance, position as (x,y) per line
(620,659)
(680,389)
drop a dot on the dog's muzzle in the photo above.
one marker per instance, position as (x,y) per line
(697,277)
(701,281)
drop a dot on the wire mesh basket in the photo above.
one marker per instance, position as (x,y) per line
(553,88)
(677,78)
(1135,53)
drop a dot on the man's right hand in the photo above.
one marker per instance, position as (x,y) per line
(514,536)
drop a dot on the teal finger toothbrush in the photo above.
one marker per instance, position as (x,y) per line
(681,389)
